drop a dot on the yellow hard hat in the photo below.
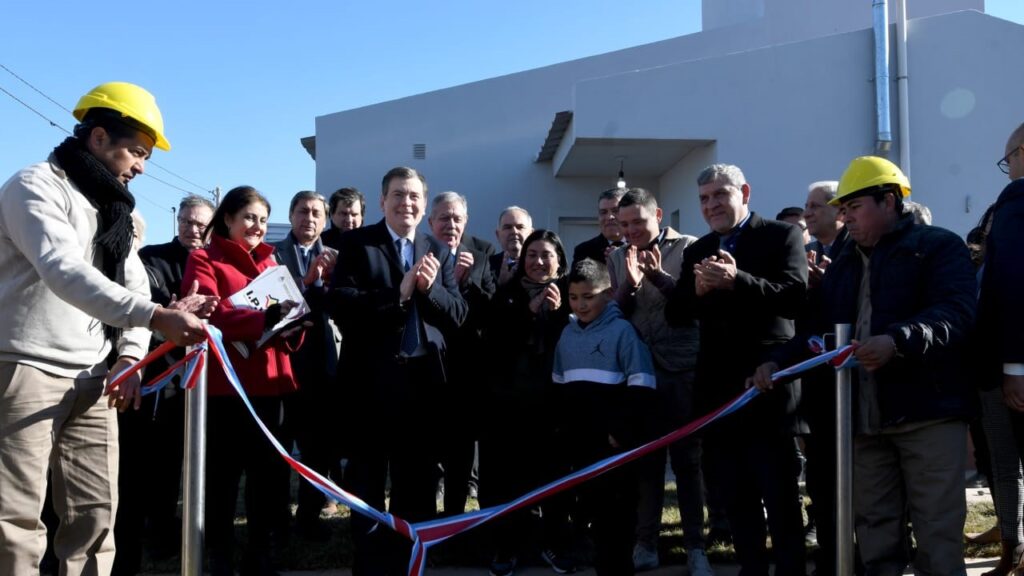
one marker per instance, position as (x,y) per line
(869,172)
(131,101)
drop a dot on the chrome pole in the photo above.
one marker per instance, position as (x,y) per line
(844,461)
(192,529)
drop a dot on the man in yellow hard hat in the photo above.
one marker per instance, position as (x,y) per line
(908,291)
(76,303)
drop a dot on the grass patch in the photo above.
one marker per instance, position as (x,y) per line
(472,548)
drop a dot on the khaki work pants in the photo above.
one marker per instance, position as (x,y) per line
(62,424)
(920,472)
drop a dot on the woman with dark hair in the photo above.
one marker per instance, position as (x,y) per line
(235,255)
(527,316)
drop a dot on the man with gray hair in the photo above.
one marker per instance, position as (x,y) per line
(817,391)
(610,236)
(825,223)
(514,225)
(744,281)
(448,218)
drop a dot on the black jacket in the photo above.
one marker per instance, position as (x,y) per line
(923,295)
(521,348)
(739,328)
(1000,330)
(165,265)
(365,304)
(315,362)
(593,249)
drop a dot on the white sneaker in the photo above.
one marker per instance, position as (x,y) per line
(697,563)
(644,558)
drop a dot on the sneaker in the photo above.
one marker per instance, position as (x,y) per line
(644,558)
(560,564)
(697,563)
(503,566)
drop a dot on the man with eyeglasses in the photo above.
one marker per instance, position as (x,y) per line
(152,437)
(1000,339)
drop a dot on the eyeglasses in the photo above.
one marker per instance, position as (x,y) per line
(201,226)
(1004,164)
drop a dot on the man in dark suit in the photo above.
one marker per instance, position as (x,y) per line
(608,222)
(448,218)
(309,413)
(744,282)
(514,225)
(394,293)
(1000,308)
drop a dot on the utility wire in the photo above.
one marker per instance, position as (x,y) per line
(62,107)
(41,93)
(37,112)
(55,125)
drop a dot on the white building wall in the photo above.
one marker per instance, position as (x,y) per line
(794,20)
(787,114)
(678,191)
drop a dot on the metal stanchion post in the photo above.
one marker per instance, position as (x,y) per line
(844,461)
(192,529)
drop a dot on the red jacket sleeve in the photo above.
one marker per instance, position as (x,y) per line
(237,324)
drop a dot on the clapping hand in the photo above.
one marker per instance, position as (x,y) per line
(550,297)
(199,304)
(715,273)
(463,264)
(426,272)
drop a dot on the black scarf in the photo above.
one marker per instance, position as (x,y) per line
(115,204)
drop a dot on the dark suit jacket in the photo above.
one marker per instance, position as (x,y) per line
(331,238)
(593,249)
(315,362)
(365,295)
(480,245)
(738,328)
(165,266)
(1000,328)
(477,290)
(466,352)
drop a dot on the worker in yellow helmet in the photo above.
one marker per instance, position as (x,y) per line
(908,291)
(76,306)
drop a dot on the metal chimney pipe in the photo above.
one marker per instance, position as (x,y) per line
(903,94)
(883,139)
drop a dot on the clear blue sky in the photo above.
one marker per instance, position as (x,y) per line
(240,82)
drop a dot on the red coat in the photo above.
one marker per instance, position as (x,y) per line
(222,269)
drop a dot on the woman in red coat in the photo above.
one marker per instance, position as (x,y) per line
(235,255)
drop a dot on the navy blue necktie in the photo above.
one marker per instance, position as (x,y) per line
(411,334)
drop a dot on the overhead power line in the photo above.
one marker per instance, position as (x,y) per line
(41,93)
(56,125)
(37,112)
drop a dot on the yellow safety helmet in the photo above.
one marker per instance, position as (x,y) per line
(132,102)
(869,172)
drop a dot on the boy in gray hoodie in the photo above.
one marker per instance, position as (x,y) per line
(604,379)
